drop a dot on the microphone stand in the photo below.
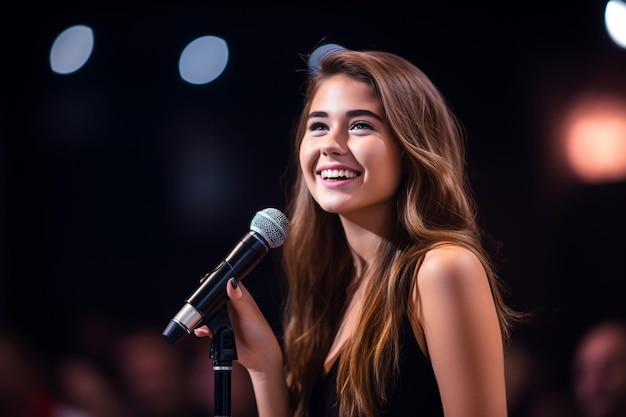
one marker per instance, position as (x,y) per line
(223,352)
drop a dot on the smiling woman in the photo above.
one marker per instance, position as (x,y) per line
(122,176)
(350,160)
(392,306)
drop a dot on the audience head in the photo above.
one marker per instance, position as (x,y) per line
(599,370)
(154,375)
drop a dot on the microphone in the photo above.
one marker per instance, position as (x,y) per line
(268,229)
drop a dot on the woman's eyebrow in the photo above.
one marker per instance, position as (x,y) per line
(318,114)
(351,113)
(354,113)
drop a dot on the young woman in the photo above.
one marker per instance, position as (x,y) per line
(393,307)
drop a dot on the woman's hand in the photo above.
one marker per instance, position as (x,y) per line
(255,341)
(258,351)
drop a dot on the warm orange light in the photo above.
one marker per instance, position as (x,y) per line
(594,139)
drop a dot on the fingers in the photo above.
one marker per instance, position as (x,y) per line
(202,331)
(234,289)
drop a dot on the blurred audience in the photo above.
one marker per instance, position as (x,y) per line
(599,370)
(100,366)
(25,382)
(155,375)
(138,374)
(82,383)
(520,368)
(531,383)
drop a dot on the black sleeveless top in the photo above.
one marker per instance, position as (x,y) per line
(415,394)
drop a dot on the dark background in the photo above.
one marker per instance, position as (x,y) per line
(121,185)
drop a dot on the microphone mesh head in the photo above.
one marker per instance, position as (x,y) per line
(272,224)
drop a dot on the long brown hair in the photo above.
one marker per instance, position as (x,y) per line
(434,205)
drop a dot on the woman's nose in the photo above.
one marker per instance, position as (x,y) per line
(334,143)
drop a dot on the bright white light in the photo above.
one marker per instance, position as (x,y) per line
(615,21)
(203,60)
(71,49)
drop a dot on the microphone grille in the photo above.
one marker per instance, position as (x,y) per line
(272,224)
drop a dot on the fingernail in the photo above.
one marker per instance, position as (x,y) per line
(233,283)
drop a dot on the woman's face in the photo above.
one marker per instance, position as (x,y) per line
(350,161)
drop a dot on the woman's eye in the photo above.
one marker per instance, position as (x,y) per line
(317,126)
(361,125)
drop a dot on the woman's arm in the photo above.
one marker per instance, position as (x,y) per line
(457,313)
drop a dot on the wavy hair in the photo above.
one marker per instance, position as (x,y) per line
(434,205)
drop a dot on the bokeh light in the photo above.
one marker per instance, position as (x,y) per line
(594,139)
(203,60)
(71,49)
(615,21)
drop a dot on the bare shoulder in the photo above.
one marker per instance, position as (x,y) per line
(450,264)
(461,333)
(452,293)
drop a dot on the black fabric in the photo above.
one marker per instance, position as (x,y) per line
(415,394)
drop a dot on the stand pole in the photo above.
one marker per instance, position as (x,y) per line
(223,352)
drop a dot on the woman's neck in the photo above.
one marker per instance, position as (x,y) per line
(364,232)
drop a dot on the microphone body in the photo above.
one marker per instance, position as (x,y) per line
(269,229)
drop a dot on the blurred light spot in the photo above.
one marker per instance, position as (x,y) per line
(320,52)
(615,21)
(71,49)
(203,60)
(594,139)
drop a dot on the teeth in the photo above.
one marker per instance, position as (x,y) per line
(337,174)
